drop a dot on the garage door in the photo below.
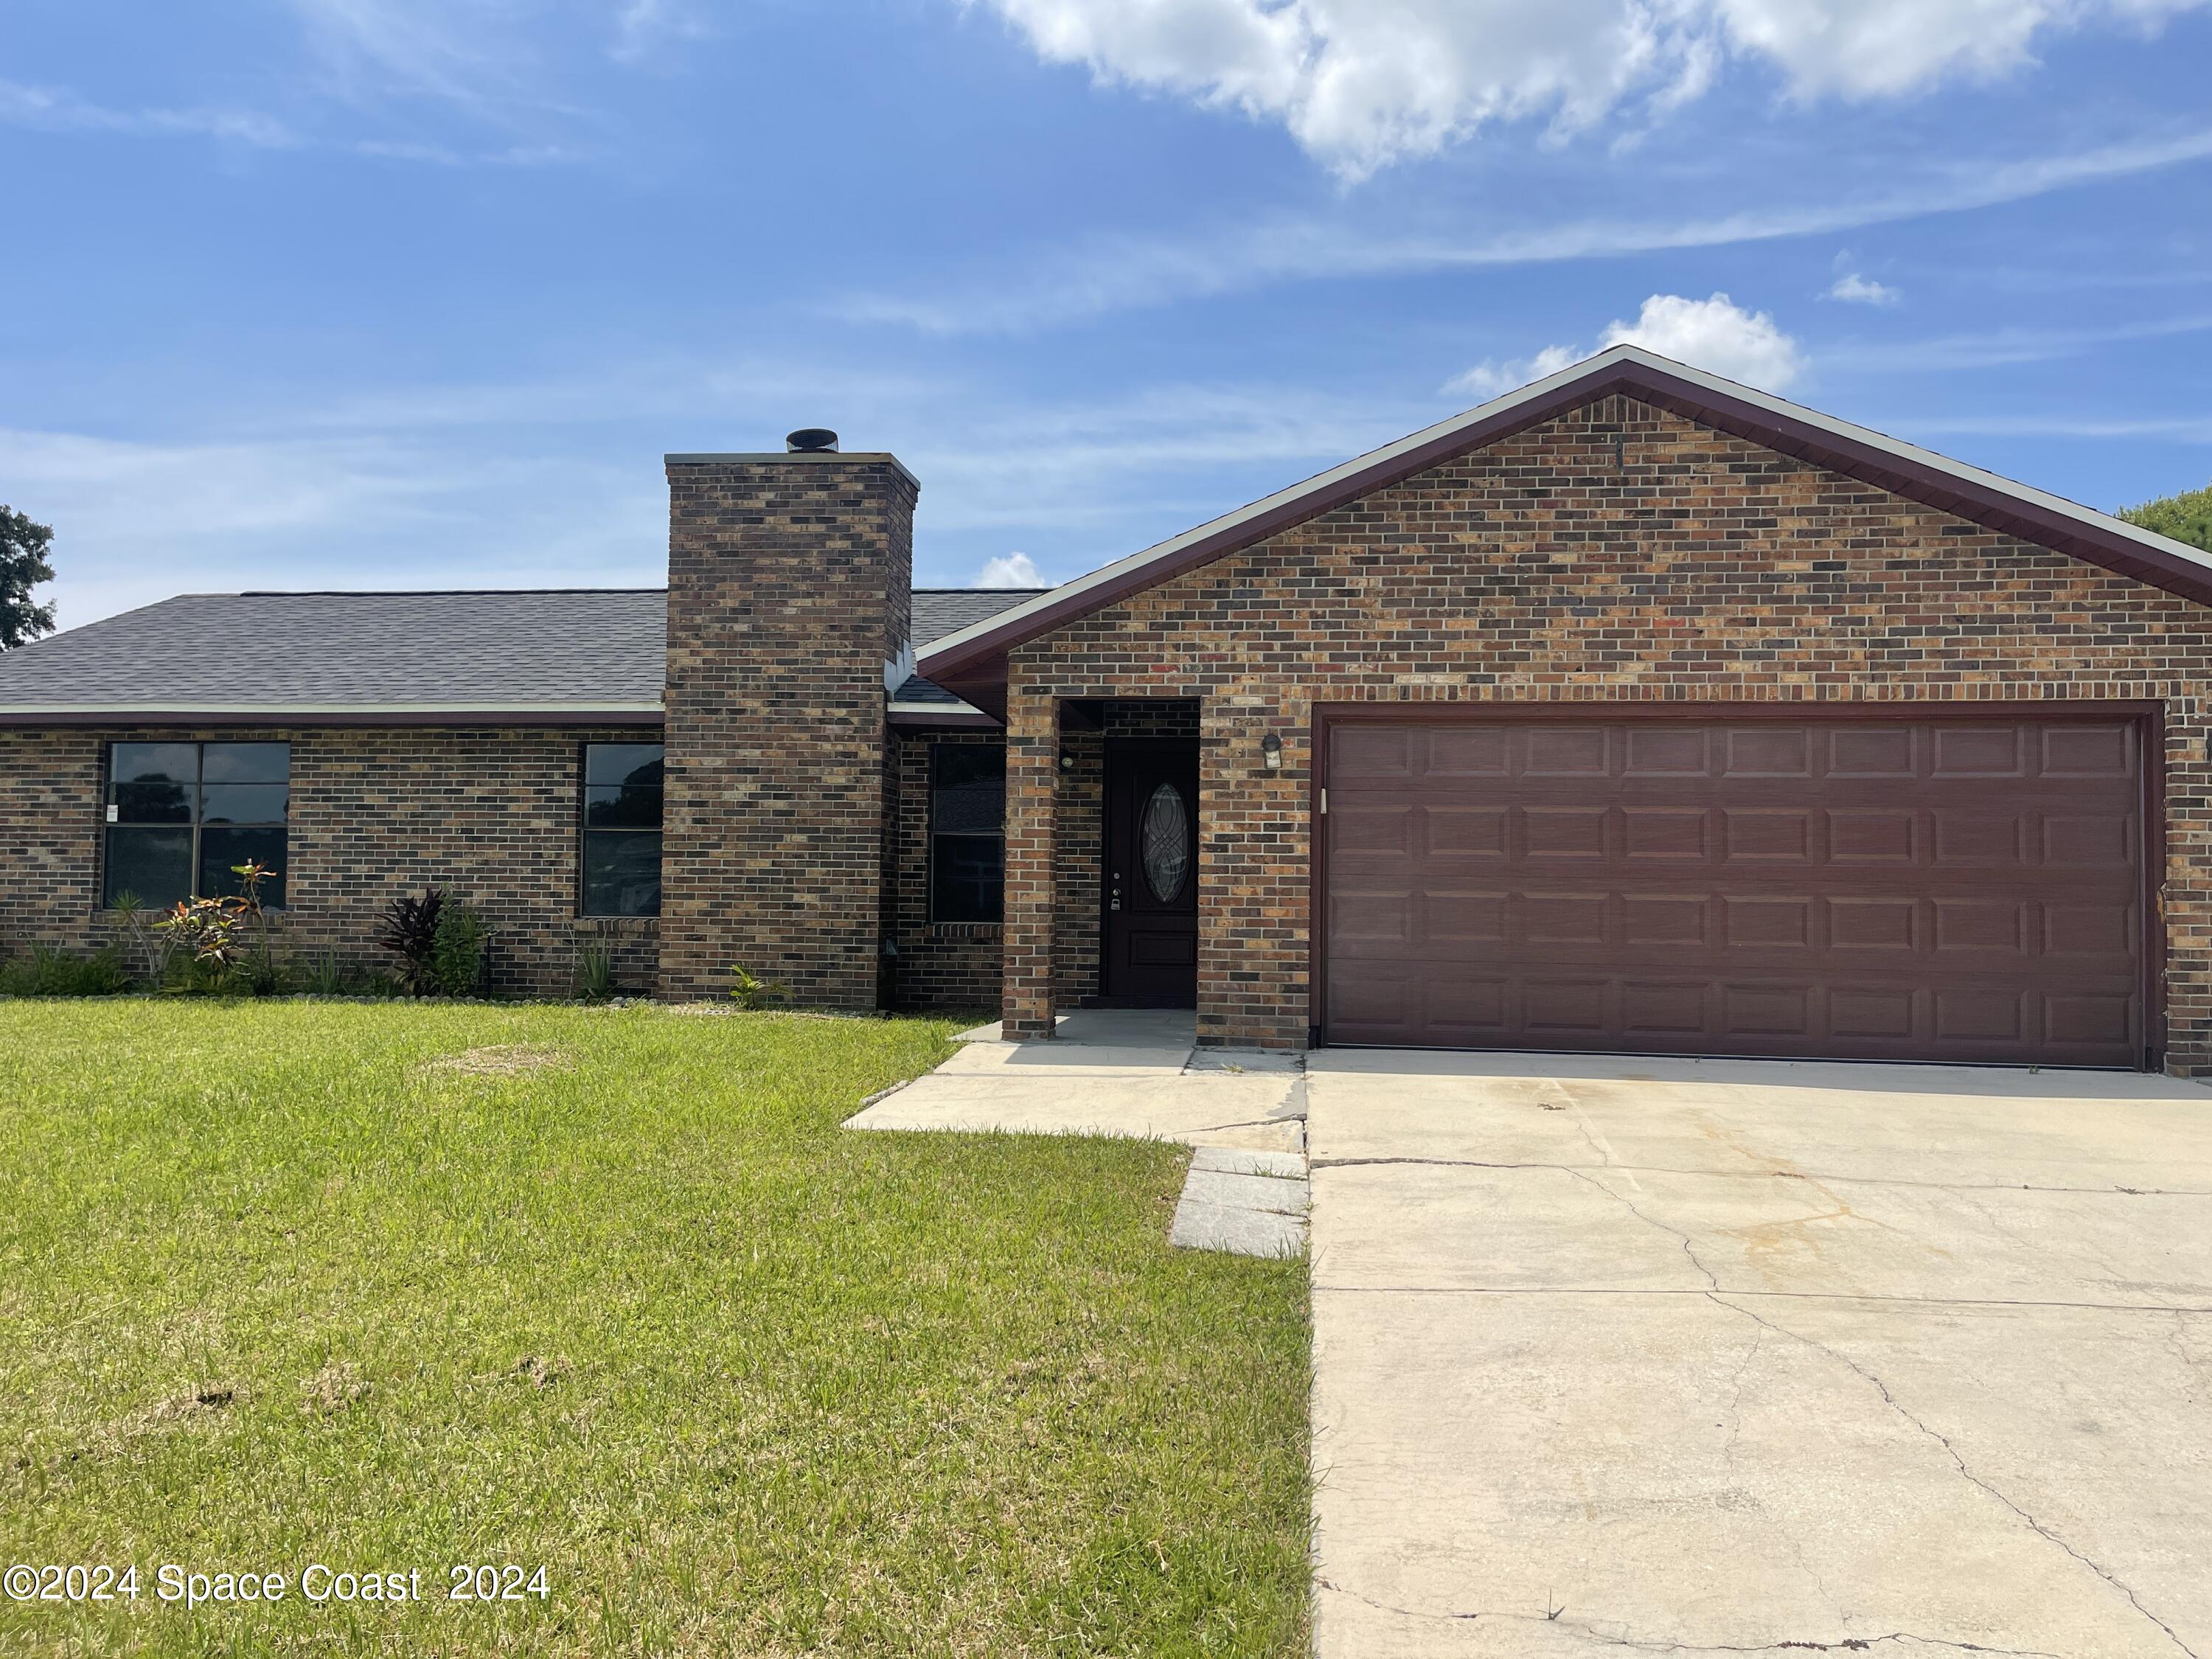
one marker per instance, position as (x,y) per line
(1872,888)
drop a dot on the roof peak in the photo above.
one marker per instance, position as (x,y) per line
(978,650)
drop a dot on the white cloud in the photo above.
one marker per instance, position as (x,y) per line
(1014,570)
(53,109)
(1362,83)
(1488,379)
(1854,290)
(1716,335)
(1098,276)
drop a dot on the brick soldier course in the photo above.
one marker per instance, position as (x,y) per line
(1629,532)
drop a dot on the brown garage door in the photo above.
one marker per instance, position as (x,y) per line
(1874,887)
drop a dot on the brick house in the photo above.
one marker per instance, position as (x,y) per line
(1634,710)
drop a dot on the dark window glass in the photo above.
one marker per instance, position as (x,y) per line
(246,762)
(156,865)
(967,832)
(179,815)
(222,849)
(621,874)
(621,829)
(152,782)
(243,803)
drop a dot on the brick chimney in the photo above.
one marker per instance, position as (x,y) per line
(790,579)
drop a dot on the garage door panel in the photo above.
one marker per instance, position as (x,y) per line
(1667,833)
(1875,835)
(1667,920)
(2092,839)
(1873,1014)
(1562,832)
(1464,832)
(1768,751)
(1566,751)
(1889,888)
(2089,752)
(1871,751)
(1979,750)
(1667,752)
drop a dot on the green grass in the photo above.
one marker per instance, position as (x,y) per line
(277,1288)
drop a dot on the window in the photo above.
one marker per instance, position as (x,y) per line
(621,828)
(181,815)
(967,832)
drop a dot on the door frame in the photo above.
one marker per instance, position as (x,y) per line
(2147,714)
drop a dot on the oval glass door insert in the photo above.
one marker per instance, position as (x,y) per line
(1163,836)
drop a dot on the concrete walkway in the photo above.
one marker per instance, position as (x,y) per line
(1138,1073)
(1678,1357)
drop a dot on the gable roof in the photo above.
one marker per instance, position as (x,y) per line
(567,655)
(974,656)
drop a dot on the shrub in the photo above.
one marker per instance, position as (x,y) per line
(749,991)
(325,976)
(226,940)
(460,953)
(49,972)
(595,972)
(410,930)
(151,944)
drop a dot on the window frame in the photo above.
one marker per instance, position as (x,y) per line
(585,830)
(197,824)
(933,834)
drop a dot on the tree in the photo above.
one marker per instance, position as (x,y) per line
(23,566)
(2186,518)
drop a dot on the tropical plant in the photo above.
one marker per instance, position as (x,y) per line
(459,951)
(595,972)
(750,992)
(224,934)
(410,930)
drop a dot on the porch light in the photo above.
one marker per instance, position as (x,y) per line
(1066,761)
(1271,749)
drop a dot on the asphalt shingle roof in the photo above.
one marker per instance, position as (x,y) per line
(581,648)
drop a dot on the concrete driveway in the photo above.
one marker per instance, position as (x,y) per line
(1680,1357)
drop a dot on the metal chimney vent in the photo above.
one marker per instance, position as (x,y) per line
(811,441)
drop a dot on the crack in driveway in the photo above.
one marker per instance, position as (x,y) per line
(1944,1441)
(1582,1631)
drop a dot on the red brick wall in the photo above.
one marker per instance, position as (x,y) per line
(489,814)
(787,591)
(1617,552)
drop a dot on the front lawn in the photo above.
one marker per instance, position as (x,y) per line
(385,1287)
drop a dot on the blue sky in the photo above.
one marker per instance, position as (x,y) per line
(416,293)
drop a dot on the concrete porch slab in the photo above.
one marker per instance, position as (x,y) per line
(1171,1107)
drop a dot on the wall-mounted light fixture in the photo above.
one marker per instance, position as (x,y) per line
(1066,761)
(1271,752)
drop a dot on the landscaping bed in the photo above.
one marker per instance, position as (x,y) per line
(408,1286)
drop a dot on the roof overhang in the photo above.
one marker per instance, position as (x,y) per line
(295,713)
(971,663)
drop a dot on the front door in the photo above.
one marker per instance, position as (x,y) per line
(1150,931)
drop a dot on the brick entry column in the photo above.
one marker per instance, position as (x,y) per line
(1032,801)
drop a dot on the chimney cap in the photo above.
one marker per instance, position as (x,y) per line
(811,441)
